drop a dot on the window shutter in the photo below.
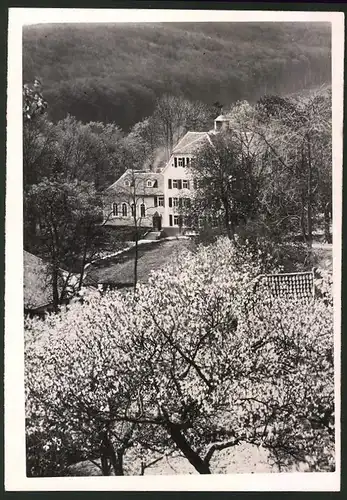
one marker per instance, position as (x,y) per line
(170,220)
(170,184)
(170,202)
(179,184)
(175,160)
(180,202)
(155,201)
(187,162)
(188,182)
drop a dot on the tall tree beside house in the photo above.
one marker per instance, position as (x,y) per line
(67,213)
(174,115)
(89,152)
(39,149)
(147,136)
(227,182)
(131,200)
(297,132)
(278,200)
(39,145)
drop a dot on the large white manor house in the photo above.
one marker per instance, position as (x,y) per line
(158,199)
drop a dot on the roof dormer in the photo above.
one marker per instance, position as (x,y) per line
(222,122)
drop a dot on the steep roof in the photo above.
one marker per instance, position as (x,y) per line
(190,143)
(222,118)
(140,178)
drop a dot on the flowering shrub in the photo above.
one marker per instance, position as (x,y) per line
(183,364)
(288,388)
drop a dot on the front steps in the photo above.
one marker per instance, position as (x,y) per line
(152,235)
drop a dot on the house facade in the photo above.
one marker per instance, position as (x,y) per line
(157,200)
(136,197)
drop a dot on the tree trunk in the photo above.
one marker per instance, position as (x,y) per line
(302,218)
(181,442)
(228,226)
(55,287)
(136,255)
(117,460)
(83,265)
(327,234)
(109,456)
(118,466)
(105,466)
(309,193)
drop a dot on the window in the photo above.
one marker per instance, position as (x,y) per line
(149,184)
(187,162)
(143,210)
(127,183)
(170,220)
(181,162)
(175,202)
(185,184)
(170,183)
(133,210)
(176,220)
(124,210)
(115,209)
(161,201)
(175,184)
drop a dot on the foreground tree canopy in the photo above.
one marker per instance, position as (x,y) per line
(189,363)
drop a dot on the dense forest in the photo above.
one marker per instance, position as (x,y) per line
(115,72)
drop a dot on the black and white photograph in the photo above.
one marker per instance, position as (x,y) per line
(173,250)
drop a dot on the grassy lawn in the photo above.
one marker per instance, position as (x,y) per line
(156,255)
(152,256)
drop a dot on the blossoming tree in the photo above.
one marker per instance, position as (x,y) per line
(187,363)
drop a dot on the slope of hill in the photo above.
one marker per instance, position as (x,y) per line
(114,72)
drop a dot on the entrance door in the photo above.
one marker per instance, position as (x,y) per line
(157,222)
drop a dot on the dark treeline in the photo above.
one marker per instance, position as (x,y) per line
(115,73)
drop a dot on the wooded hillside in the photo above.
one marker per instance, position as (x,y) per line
(114,72)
